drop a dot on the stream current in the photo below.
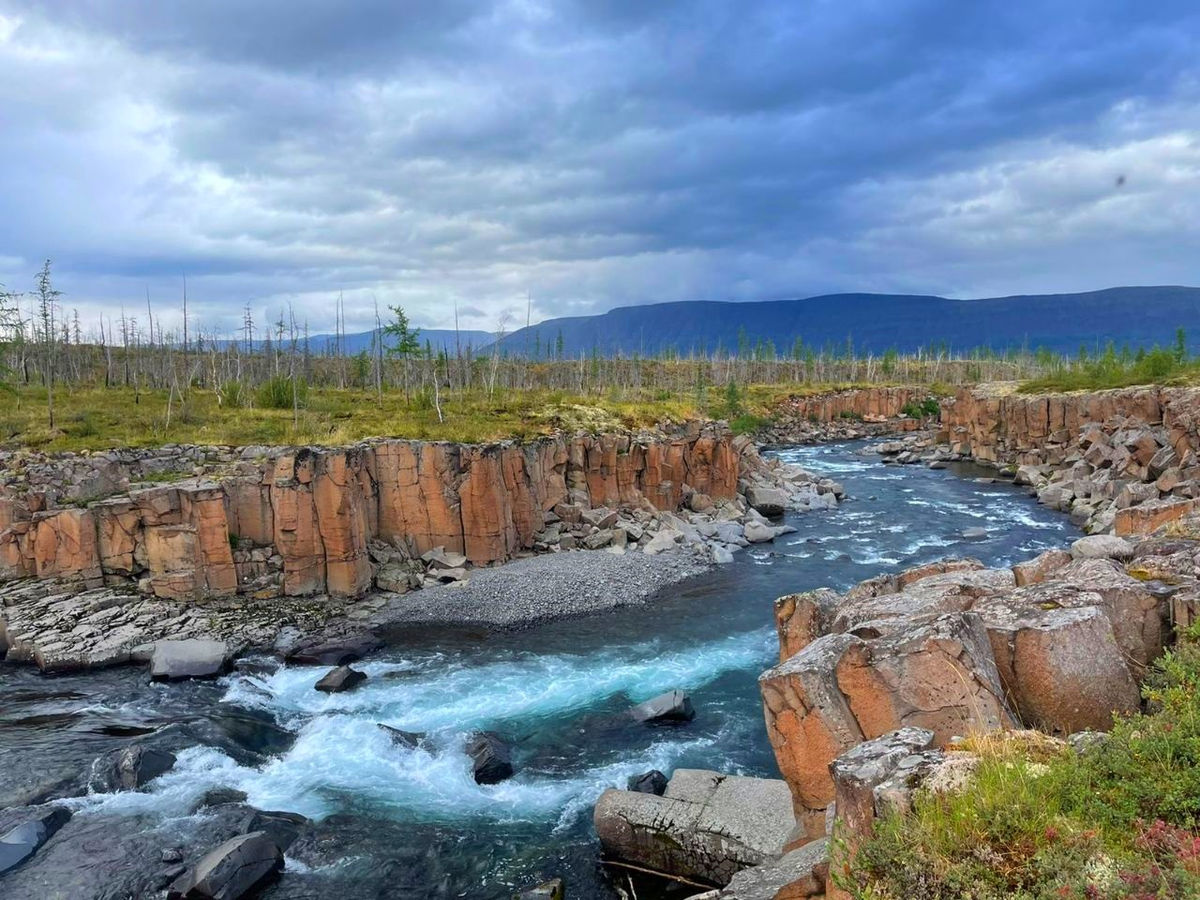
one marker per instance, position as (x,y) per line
(397,822)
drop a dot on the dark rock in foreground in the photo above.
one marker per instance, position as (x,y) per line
(673,706)
(490,756)
(652,782)
(134,767)
(21,842)
(281,827)
(343,678)
(231,870)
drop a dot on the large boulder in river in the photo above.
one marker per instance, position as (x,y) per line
(341,679)
(230,871)
(491,759)
(22,841)
(706,827)
(134,767)
(192,658)
(673,706)
(770,501)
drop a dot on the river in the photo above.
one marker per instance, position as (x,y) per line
(397,822)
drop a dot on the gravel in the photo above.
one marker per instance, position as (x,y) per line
(525,592)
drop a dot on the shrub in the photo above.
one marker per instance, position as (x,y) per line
(276,393)
(232,395)
(748,424)
(1120,819)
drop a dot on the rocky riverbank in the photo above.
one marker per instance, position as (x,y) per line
(237,552)
(874,685)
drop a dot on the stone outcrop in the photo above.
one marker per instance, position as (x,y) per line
(311,521)
(1119,460)
(705,827)
(1059,644)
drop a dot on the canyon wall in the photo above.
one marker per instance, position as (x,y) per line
(300,521)
(1124,460)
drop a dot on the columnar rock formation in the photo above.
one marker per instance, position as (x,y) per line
(1058,644)
(304,518)
(1125,460)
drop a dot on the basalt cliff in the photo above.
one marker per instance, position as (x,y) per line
(209,522)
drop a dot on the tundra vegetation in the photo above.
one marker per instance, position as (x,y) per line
(1119,817)
(131,381)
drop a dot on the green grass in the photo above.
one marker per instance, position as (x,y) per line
(1120,820)
(97,418)
(1158,366)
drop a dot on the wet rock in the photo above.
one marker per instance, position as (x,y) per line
(975,534)
(759,533)
(134,767)
(673,706)
(230,871)
(652,782)
(407,739)
(281,827)
(491,758)
(24,840)
(707,826)
(338,651)
(219,797)
(340,679)
(554,889)
(192,658)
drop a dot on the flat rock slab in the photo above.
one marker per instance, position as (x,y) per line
(231,870)
(707,826)
(24,840)
(673,706)
(192,658)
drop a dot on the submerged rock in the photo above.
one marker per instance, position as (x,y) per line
(554,889)
(21,842)
(673,706)
(490,756)
(341,679)
(652,782)
(231,870)
(401,738)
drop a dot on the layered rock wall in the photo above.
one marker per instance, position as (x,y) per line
(1123,460)
(306,515)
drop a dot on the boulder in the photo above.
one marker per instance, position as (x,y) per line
(1102,546)
(770,501)
(338,651)
(706,827)
(1040,568)
(281,827)
(802,618)
(975,534)
(222,796)
(21,842)
(554,889)
(666,539)
(797,875)
(598,539)
(440,558)
(652,782)
(758,532)
(340,679)
(232,870)
(408,739)
(673,706)
(192,658)
(490,758)
(135,766)
(602,517)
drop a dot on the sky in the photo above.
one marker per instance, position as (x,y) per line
(562,158)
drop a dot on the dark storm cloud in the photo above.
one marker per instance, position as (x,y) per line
(594,153)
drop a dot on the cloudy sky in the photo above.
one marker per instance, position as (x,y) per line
(593,154)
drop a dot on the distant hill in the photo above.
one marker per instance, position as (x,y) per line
(1137,316)
(438,339)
